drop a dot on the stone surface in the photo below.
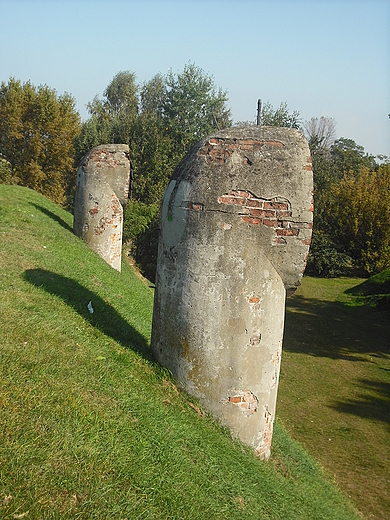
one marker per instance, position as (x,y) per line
(102,189)
(236,222)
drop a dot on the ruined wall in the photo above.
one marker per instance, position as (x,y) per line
(236,223)
(102,189)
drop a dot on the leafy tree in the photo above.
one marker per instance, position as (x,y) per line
(176,111)
(279,116)
(347,156)
(160,121)
(325,259)
(37,130)
(351,209)
(271,116)
(153,94)
(359,216)
(193,107)
(119,97)
(153,158)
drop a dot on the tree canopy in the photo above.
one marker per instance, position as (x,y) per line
(351,228)
(42,140)
(279,116)
(37,132)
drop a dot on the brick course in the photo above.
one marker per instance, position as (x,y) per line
(272,213)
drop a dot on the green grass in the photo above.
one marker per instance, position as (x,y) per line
(90,427)
(334,392)
(375,291)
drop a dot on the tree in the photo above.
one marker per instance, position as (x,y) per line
(153,95)
(119,97)
(37,130)
(351,210)
(348,156)
(270,116)
(112,118)
(280,116)
(359,216)
(320,132)
(160,122)
(193,107)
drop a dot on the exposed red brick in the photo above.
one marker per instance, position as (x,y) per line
(252,220)
(246,401)
(225,199)
(306,241)
(104,222)
(308,168)
(255,203)
(93,211)
(254,299)
(283,213)
(287,232)
(301,225)
(279,241)
(195,206)
(275,205)
(262,212)
(273,143)
(270,223)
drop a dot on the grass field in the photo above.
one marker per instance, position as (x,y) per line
(334,392)
(90,427)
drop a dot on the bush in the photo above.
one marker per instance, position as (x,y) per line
(137,218)
(324,258)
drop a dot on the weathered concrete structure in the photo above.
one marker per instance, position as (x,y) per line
(102,189)
(236,223)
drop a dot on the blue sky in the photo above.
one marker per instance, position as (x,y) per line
(328,58)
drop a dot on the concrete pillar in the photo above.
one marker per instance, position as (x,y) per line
(102,189)
(236,222)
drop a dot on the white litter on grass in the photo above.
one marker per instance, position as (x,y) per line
(90,308)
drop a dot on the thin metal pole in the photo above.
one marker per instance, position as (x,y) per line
(259,112)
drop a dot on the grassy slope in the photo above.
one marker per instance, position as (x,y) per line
(89,426)
(334,393)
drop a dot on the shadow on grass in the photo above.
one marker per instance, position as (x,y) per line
(372,403)
(52,215)
(104,316)
(335,330)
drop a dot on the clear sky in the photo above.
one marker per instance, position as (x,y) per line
(328,58)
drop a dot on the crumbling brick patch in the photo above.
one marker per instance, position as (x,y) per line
(196,206)
(116,207)
(107,158)
(103,223)
(264,448)
(217,150)
(105,220)
(245,400)
(273,213)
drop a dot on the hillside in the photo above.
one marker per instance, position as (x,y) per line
(90,427)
